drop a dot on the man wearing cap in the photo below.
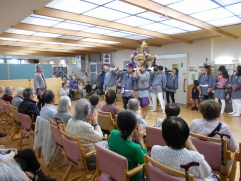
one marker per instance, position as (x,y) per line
(127,84)
(39,85)
(110,77)
(159,81)
(143,87)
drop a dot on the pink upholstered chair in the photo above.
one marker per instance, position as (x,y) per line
(55,126)
(154,173)
(26,130)
(212,149)
(76,156)
(154,137)
(113,165)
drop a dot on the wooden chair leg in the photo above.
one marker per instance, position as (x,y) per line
(53,160)
(21,141)
(39,153)
(67,173)
(82,170)
(31,141)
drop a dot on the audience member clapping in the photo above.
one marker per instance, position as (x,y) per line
(85,125)
(63,109)
(1,91)
(120,141)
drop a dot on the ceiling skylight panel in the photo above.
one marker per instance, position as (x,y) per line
(51,35)
(21,32)
(226,21)
(97,30)
(227,2)
(236,8)
(155,27)
(90,46)
(52,43)
(73,6)
(137,37)
(172,31)
(100,41)
(31,41)
(39,21)
(165,2)
(193,6)
(124,7)
(78,23)
(70,26)
(99,2)
(46,17)
(106,14)
(190,28)
(134,21)
(9,39)
(218,13)
(174,23)
(152,16)
(118,34)
(71,37)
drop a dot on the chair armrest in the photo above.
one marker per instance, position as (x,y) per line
(230,155)
(90,153)
(2,146)
(135,170)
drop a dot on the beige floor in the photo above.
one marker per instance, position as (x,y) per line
(234,124)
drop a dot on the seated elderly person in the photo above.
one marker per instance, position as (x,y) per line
(28,106)
(26,159)
(94,101)
(209,124)
(18,98)
(1,91)
(179,149)
(134,105)
(86,127)
(110,98)
(81,90)
(63,109)
(48,111)
(8,94)
(171,109)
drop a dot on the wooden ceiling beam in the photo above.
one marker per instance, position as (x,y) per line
(11,48)
(23,26)
(104,23)
(45,45)
(165,11)
(105,47)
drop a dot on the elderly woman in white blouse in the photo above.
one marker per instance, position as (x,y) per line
(86,127)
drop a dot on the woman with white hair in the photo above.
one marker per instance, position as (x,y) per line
(18,98)
(134,105)
(8,94)
(63,108)
(85,125)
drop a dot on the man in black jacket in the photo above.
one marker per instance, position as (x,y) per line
(28,106)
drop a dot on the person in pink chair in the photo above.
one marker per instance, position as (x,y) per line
(180,150)
(120,141)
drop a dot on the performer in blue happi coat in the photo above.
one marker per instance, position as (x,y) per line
(127,84)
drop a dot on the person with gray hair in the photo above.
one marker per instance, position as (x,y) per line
(6,169)
(134,105)
(18,98)
(8,94)
(1,91)
(63,109)
(28,106)
(85,125)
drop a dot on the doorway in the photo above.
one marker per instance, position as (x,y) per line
(179,61)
